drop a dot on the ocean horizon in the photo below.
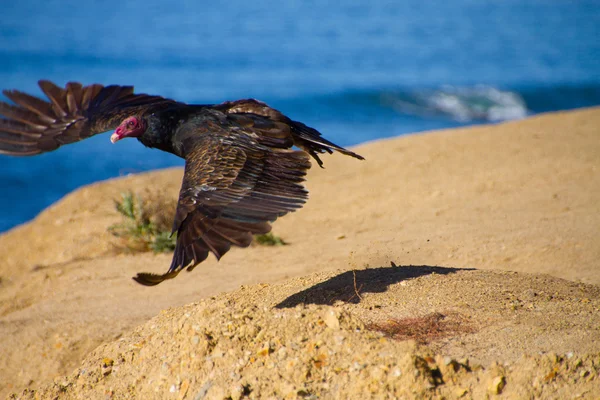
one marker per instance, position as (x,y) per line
(356,71)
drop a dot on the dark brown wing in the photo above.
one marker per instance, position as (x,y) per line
(305,137)
(233,186)
(32,126)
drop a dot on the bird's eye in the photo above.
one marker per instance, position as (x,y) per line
(131,124)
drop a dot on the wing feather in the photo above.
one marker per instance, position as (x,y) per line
(33,104)
(57,97)
(305,137)
(24,116)
(233,186)
(33,126)
(74,97)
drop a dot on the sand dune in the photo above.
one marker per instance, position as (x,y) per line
(471,217)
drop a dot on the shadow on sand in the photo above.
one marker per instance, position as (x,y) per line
(349,285)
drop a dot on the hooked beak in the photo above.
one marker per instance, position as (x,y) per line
(116,136)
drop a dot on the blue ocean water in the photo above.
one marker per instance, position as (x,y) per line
(355,70)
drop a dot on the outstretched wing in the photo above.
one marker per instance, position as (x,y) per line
(305,137)
(233,186)
(32,126)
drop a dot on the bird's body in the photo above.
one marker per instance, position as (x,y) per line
(241,170)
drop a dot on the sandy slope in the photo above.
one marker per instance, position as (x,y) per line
(522,196)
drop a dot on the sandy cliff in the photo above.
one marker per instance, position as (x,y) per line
(495,231)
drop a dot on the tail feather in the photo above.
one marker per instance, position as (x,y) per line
(311,141)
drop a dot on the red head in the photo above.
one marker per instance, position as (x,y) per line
(130,127)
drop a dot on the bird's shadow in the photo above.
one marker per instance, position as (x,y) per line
(350,285)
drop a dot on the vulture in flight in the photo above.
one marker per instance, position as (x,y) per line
(241,171)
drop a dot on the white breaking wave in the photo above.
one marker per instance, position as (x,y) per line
(463,104)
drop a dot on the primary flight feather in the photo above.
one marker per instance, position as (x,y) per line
(240,169)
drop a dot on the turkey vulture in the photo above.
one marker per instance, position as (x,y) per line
(240,169)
